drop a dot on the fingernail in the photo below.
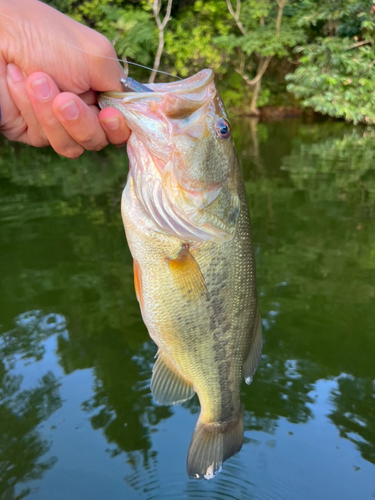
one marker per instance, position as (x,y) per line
(69,111)
(112,123)
(14,73)
(41,89)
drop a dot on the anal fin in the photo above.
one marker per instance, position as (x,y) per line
(187,274)
(167,386)
(252,361)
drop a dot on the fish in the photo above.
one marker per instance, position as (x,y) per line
(187,224)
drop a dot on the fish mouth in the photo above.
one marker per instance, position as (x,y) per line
(192,85)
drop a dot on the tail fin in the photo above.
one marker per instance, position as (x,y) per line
(211,445)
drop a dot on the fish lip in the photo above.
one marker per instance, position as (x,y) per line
(193,84)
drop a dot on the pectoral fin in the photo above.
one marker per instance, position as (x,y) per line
(138,282)
(167,386)
(252,361)
(187,275)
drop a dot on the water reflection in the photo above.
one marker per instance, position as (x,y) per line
(24,405)
(126,427)
(75,356)
(354,413)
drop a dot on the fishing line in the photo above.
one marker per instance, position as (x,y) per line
(124,61)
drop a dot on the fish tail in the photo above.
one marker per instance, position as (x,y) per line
(212,444)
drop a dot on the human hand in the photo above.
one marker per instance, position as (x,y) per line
(56,105)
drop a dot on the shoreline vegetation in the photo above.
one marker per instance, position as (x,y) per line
(271,57)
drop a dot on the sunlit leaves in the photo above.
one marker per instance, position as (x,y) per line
(132,32)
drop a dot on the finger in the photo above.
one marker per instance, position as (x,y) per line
(12,125)
(79,121)
(42,90)
(30,128)
(114,126)
(94,109)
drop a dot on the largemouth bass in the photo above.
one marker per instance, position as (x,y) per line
(187,223)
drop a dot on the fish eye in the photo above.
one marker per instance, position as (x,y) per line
(222,128)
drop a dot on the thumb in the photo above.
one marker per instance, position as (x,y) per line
(103,68)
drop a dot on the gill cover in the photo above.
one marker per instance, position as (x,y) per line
(183,172)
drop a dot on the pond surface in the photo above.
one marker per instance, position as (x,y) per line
(77,420)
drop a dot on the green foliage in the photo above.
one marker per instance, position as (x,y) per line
(336,73)
(61,5)
(189,42)
(337,80)
(132,32)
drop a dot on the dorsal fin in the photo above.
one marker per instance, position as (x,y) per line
(167,386)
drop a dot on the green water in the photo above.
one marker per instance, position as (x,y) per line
(77,420)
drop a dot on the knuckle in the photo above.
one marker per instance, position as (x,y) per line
(100,145)
(15,128)
(38,139)
(92,140)
(14,133)
(106,48)
(116,140)
(86,138)
(72,152)
(39,142)
(48,120)
(102,46)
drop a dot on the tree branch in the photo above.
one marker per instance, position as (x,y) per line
(281,4)
(156,9)
(358,44)
(236,15)
(262,67)
(161,25)
(167,15)
(238,8)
